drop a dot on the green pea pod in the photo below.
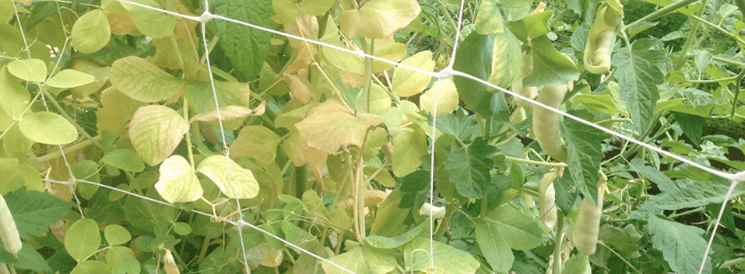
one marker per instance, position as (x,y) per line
(600,40)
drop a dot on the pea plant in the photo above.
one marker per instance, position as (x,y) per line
(372,136)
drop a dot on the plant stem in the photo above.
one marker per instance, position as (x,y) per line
(536,163)
(619,256)
(368,47)
(557,241)
(66,150)
(675,215)
(738,81)
(449,210)
(659,13)
(203,252)
(446,13)
(188,135)
(720,29)
(301,176)
(689,41)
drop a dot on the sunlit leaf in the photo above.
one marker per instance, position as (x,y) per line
(229,113)
(178,183)
(407,82)
(142,81)
(14,98)
(116,111)
(48,128)
(447,98)
(379,100)
(155,132)
(91,32)
(243,185)
(82,239)
(489,18)
(87,170)
(70,78)
(447,258)
(124,159)
(378,18)
(408,146)
(363,259)
(150,22)
(33,70)
(256,142)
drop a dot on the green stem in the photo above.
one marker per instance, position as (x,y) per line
(737,93)
(689,41)
(720,29)
(369,49)
(620,257)
(449,210)
(676,215)
(203,252)
(557,241)
(709,81)
(301,176)
(659,13)
(535,163)
(484,203)
(487,129)
(188,135)
(446,13)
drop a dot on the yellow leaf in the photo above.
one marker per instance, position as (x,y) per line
(447,98)
(178,183)
(155,131)
(116,111)
(408,145)
(379,100)
(242,186)
(307,27)
(407,82)
(230,113)
(257,142)
(378,18)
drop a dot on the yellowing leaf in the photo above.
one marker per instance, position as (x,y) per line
(178,183)
(230,113)
(70,78)
(14,98)
(331,125)
(33,70)
(151,23)
(256,142)
(408,145)
(116,111)
(142,81)
(379,100)
(100,73)
(378,18)
(407,82)
(285,11)
(388,49)
(155,131)
(316,7)
(244,185)
(447,98)
(303,26)
(91,32)
(48,128)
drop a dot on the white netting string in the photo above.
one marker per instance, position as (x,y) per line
(445,73)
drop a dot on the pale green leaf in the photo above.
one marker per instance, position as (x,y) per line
(155,132)
(489,18)
(244,185)
(316,7)
(82,239)
(182,229)
(91,266)
(151,22)
(407,82)
(116,234)
(363,259)
(15,144)
(91,32)
(379,100)
(584,153)
(550,67)
(257,142)
(447,99)
(178,183)
(521,231)
(692,194)
(48,128)
(33,70)
(14,98)
(6,11)
(682,246)
(579,264)
(447,258)
(124,159)
(87,170)
(408,145)
(378,18)
(69,79)
(382,242)
(143,81)
(122,259)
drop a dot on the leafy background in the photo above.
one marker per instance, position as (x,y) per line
(114,151)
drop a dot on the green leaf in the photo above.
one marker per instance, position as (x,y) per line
(531,27)
(584,153)
(14,98)
(155,132)
(6,11)
(244,185)
(655,175)
(602,103)
(245,47)
(489,18)
(178,183)
(152,23)
(12,44)
(363,259)
(35,211)
(28,258)
(494,247)
(42,10)
(144,214)
(143,81)
(377,19)
(682,246)
(82,239)
(620,240)
(48,128)
(70,78)
(257,142)
(550,67)
(447,258)
(409,144)
(692,126)
(91,32)
(521,231)
(116,235)
(316,7)
(469,169)
(382,242)
(32,70)
(579,264)
(460,126)
(124,159)
(182,229)
(91,266)
(123,259)
(692,194)
(638,75)
(87,170)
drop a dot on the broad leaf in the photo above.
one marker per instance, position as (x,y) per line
(48,128)
(116,234)
(91,32)
(447,98)
(245,47)
(489,18)
(87,170)
(28,258)
(35,211)
(377,18)
(178,183)
(397,241)
(155,132)
(408,146)
(82,239)
(256,142)
(692,194)
(364,259)
(447,258)
(407,82)
(32,70)
(124,159)
(14,98)
(682,246)
(233,180)
(550,67)
(117,109)
(584,153)
(638,75)
(70,78)
(143,81)
(469,169)
(151,22)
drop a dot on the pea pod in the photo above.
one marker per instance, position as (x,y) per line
(600,40)
(546,122)
(587,226)
(547,198)
(8,230)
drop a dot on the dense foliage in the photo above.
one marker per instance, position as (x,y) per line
(140,141)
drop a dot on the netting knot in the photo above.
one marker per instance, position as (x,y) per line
(738,177)
(206,17)
(446,73)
